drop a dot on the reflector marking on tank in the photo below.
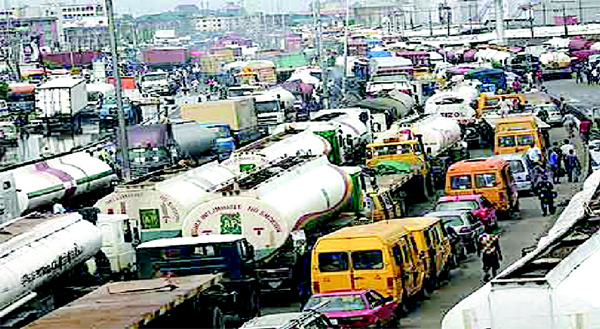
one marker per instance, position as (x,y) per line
(88,179)
(48,190)
(69,182)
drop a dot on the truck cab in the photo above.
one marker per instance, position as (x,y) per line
(225,144)
(155,82)
(269,111)
(229,254)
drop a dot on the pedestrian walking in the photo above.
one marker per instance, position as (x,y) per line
(534,155)
(504,108)
(567,147)
(573,166)
(578,77)
(545,192)
(490,254)
(584,129)
(569,123)
(554,168)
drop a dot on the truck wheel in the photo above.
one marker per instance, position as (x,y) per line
(217,318)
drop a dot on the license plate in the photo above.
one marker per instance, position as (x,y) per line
(334,321)
(274,284)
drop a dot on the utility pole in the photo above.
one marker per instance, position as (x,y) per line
(448,11)
(322,60)
(499,21)
(565,21)
(125,173)
(531,17)
(471,18)
(345,73)
(544,12)
(580,12)
(430,23)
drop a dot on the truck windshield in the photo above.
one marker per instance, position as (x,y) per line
(265,107)
(154,77)
(223,131)
(389,78)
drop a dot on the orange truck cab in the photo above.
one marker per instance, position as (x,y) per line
(487,103)
(489,177)
(517,134)
(382,256)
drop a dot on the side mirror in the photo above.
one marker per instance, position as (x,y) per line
(250,252)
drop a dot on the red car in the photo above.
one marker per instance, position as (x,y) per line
(473,203)
(356,309)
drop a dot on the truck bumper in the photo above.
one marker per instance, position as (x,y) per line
(275,280)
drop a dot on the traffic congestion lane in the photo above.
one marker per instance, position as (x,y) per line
(516,234)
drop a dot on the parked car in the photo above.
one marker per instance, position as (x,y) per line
(471,202)
(356,309)
(520,170)
(554,115)
(466,225)
(293,320)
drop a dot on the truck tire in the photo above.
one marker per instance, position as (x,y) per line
(217,318)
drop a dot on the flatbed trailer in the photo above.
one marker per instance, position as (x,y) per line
(139,304)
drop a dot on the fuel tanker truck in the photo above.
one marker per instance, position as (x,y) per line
(43,266)
(161,202)
(40,257)
(316,141)
(556,64)
(353,132)
(459,107)
(409,160)
(64,178)
(277,211)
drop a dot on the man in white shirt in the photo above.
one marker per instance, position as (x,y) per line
(567,147)
(58,209)
(534,154)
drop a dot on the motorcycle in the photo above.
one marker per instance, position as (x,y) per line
(547,201)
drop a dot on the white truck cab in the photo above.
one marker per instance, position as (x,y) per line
(120,235)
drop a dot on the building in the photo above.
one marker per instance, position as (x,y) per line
(68,12)
(243,24)
(86,33)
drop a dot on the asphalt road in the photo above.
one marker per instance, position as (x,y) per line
(516,235)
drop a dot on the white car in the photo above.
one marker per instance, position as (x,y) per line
(554,115)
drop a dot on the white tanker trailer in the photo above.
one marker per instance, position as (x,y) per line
(287,143)
(34,251)
(162,202)
(43,182)
(439,134)
(273,209)
(354,131)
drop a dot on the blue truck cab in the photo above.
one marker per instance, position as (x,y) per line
(108,114)
(225,144)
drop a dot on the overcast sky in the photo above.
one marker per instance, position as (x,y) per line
(156,6)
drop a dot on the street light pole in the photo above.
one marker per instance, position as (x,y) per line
(565,21)
(125,173)
(499,21)
(345,73)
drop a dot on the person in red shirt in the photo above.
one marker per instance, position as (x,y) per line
(584,129)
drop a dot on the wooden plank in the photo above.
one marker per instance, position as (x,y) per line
(127,304)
